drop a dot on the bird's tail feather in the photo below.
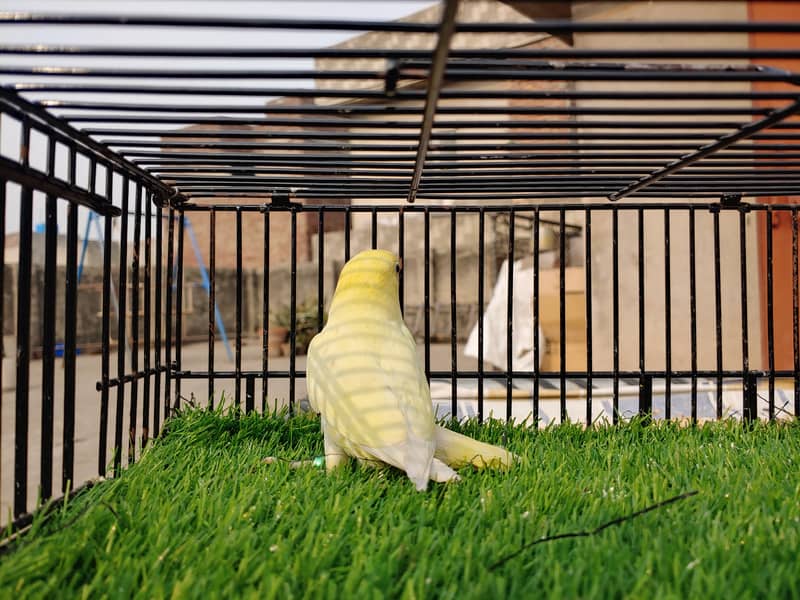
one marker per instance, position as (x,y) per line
(459,450)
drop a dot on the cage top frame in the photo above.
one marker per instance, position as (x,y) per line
(405,127)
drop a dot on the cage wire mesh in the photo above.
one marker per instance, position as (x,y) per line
(595,204)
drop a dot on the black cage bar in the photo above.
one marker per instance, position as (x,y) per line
(623,204)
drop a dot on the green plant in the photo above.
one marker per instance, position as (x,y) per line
(305,322)
(280,317)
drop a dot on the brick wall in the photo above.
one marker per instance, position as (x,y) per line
(517,85)
(253,222)
(253,236)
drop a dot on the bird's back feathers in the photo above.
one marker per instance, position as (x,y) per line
(365,378)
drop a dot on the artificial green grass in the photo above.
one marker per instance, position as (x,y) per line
(200,516)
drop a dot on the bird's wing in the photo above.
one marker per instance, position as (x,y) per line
(366,380)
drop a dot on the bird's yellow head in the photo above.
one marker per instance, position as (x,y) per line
(370,277)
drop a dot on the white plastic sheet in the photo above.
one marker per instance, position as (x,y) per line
(495,328)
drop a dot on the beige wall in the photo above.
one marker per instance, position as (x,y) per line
(655,301)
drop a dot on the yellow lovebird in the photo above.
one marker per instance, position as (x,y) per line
(365,379)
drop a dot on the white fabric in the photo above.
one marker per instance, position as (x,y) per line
(495,323)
